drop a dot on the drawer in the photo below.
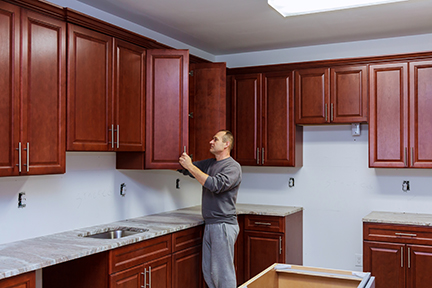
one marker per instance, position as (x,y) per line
(264,223)
(410,234)
(187,238)
(139,253)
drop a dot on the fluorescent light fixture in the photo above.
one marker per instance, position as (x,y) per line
(299,7)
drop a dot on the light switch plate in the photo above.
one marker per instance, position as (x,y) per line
(355,129)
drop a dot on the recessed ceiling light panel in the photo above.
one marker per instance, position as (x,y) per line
(295,7)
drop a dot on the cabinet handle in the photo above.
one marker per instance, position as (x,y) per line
(401,257)
(405,234)
(331,112)
(409,257)
(412,156)
(118,136)
(145,278)
(406,157)
(263,223)
(112,136)
(27,149)
(280,245)
(262,157)
(325,110)
(19,157)
(257,156)
(150,282)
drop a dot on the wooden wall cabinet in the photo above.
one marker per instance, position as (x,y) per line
(398,255)
(331,95)
(32,93)
(400,101)
(27,280)
(263,120)
(106,94)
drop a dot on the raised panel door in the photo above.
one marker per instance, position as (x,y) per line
(9,88)
(27,280)
(246,96)
(129,278)
(348,98)
(312,96)
(262,249)
(166,108)
(420,114)
(89,90)
(207,106)
(129,97)
(187,268)
(158,273)
(43,98)
(278,129)
(386,262)
(388,119)
(419,266)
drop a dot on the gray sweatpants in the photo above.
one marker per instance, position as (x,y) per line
(218,255)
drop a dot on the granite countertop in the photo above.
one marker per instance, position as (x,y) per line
(399,218)
(36,253)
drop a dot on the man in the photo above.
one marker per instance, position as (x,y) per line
(220,177)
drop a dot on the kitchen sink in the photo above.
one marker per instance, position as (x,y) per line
(114,233)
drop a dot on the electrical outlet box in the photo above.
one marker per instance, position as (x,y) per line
(358,260)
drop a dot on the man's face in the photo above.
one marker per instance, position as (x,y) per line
(216,144)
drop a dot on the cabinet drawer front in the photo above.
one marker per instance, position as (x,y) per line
(135,254)
(264,223)
(397,233)
(187,238)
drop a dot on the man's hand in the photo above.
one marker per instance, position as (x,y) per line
(185,161)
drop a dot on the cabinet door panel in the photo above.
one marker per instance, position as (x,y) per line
(130,278)
(43,93)
(386,262)
(160,273)
(419,266)
(166,108)
(27,280)
(187,268)
(348,94)
(246,118)
(207,103)
(9,88)
(89,90)
(420,114)
(388,124)
(312,96)
(262,249)
(129,90)
(278,120)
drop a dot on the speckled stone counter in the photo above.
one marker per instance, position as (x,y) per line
(399,218)
(36,253)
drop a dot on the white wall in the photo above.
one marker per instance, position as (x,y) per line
(335,185)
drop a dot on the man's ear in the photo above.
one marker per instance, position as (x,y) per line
(227,144)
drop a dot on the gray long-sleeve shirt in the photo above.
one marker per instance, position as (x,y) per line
(219,193)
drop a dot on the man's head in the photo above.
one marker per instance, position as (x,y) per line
(222,143)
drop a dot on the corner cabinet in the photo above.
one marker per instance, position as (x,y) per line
(106,93)
(263,120)
(398,255)
(400,105)
(32,93)
(331,95)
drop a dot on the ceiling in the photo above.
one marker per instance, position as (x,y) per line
(235,26)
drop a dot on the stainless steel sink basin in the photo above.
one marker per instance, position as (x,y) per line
(114,233)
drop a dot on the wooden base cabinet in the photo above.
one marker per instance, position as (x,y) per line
(398,255)
(27,280)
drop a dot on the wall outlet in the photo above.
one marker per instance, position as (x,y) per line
(22,200)
(358,260)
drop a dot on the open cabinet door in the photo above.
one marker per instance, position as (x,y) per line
(166,108)
(207,106)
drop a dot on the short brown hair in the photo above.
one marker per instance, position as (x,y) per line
(228,137)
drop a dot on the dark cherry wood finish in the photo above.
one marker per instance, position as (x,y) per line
(166,108)
(398,255)
(263,120)
(26,280)
(207,106)
(129,96)
(33,93)
(388,119)
(420,116)
(89,90)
